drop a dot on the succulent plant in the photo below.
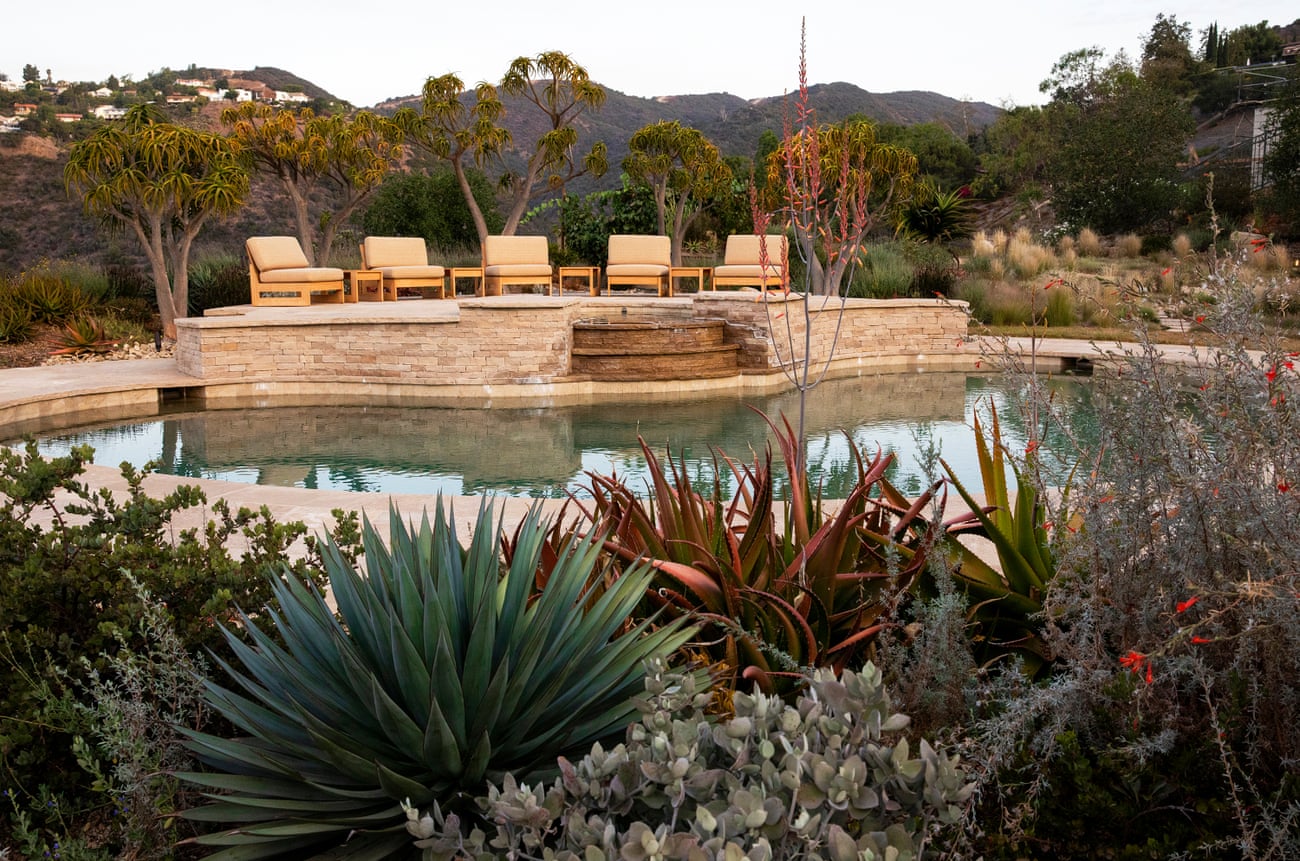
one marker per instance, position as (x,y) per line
(444,668)
(829,777)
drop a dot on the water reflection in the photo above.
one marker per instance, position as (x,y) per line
(546,451)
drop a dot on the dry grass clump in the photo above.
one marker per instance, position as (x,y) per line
(1270,258)
(1182,246)
(1066,245)
(999,240)
(1089,243)
(1026,257)
(981,245)
(1069,257)
(1128,246)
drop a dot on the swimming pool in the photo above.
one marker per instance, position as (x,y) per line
(547,450)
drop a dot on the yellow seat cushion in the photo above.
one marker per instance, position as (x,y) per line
(276,252)
(382,252)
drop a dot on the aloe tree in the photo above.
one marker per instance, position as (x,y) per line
(683,169)
(443,669)
(305,152)
(162,182)
(454,130)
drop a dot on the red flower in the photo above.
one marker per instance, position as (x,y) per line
(1201,641)
(1200,318)
(1166,271)
(1150,675)
(1271,374)
(1133,660)
(1184,606)
(1283,487)
(1032,447)
(1055,282)
(978,363)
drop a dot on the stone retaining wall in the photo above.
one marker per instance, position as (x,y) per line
(528,339)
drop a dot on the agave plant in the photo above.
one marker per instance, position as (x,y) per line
(443,669)
(82,336)
(779,592)
(1007,601)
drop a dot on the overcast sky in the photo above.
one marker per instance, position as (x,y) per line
(994,51)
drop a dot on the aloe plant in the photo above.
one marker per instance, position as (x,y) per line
(1007,601)
(443,669)
(780,589)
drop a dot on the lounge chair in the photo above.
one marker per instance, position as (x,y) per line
(741,266)
(404,262)
(515,260)
(639,261)
(278,274)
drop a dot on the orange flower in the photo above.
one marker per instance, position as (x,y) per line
(1201,641)
(1184,606)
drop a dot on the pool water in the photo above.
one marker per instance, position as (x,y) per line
(548,451)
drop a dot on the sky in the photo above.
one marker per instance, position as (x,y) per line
(994,51)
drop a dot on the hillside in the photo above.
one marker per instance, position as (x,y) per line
(38,221)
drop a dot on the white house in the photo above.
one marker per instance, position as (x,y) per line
(102,93)
(12,86)
(282,96)
(109,112)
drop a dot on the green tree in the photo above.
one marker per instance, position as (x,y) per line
(683,169)
(31,74)
(162,182)
(1074,77)
(1282,162)
(1167,59)
(1114,162)
(562,91)
(1252,43)
(306,152)
(431,206)
(450,130)
(1013,152)
(941,156)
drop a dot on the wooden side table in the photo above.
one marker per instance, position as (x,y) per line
(700,273)
(590,274)
(368,286)
(474,273)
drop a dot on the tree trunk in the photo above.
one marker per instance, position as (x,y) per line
(519,202)
(480,223)
(152,243)
(306,233)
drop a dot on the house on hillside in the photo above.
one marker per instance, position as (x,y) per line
(9,124)
(23,109)
(282,97)
(109,112)
(191,82)
(11,86)
(68,118)
(102,93)
(180,98)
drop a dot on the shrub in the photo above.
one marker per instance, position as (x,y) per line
(69,559)
(218,281)
(443,669)
(1027,258)
(975,292)
(1182,246)
(1059,309)
(1009,306)
(887,273)
(1174,618)
(828,777)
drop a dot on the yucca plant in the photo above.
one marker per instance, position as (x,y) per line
(444,668)
(1006,602)
(780,592)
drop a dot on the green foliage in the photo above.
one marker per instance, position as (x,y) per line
(937,216)
(445,667)
(48,298)
(218,281)
(1006,601)
(1283,155)
(943,158)
(69,559)
(778,592)
(15,322)
(829,777)
(885,274)
(1117,147)
(433,207)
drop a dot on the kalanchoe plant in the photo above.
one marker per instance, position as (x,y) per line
(443,669)
(830,777)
